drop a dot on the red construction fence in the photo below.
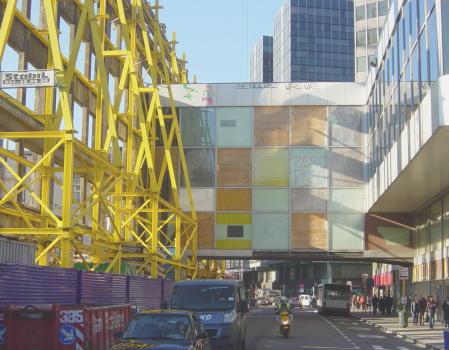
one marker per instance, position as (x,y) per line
(61,327)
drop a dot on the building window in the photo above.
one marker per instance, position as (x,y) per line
(235,231)
(383,8)
(372,36)
(360,13)
(371,10)
(361,38)
(361,64)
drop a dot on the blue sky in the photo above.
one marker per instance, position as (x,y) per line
(218,35)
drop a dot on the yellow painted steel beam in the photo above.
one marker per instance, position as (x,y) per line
(120,204)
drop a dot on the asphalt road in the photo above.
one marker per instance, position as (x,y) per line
(314,332)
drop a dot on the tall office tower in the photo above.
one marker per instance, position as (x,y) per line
(314,41)
(369,21)
(261,61)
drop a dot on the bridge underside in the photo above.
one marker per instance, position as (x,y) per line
(365,256)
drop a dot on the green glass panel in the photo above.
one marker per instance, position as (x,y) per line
(234,126)
(346,231)
(201,167)
(270,231)
(272,200)
(270,167)
(348,200)
(198,126)
(396,236)
(309,167)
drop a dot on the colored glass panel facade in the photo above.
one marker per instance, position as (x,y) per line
(281,162)
(270,167)
(198,127)
(234,126)
(270,231)
(270,199)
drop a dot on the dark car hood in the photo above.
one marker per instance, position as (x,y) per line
(128,345)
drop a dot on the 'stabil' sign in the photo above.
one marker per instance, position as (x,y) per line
(24,79)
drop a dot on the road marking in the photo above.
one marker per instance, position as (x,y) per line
(359,329)
(371,336)
(340,332)
(324,347)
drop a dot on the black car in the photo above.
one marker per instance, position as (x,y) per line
(163,330)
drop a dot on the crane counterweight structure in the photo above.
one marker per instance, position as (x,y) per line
(90,172)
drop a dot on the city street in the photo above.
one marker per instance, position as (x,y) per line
(312,331)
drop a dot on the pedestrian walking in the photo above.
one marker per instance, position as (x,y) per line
(446,312)
(388,304)
(375,303)
(422,309)
(363,303)
(415,310)
(431,308)
(382,305)
(354,301)
(368,303)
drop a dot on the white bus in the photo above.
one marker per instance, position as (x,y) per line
(334,298)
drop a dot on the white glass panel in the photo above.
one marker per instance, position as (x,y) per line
(309,167)
(348,200)
(203,198)
(346,231)
(347,167)
(310,199)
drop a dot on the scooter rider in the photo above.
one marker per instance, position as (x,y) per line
(285,318)
(284,306)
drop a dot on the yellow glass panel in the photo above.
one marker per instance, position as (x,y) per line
(233,244)
(271,167)
(233,219)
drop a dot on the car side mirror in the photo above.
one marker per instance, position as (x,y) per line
(118,335)
(243,307)
(202,335)
(164,305)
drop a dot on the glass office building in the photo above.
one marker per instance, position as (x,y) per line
(408,120)
(261,61)
(369,21)
(314,41)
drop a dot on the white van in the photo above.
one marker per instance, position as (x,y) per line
(305,300)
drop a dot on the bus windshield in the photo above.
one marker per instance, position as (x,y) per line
(336,292)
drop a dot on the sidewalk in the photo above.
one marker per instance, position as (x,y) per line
(422,335)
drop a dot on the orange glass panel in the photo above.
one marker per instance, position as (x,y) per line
(233,199)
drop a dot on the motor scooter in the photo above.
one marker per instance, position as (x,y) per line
(284,317)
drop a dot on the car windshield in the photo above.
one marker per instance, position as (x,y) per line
(203,298)
(159,326)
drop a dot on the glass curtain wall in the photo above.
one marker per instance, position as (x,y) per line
(405,75)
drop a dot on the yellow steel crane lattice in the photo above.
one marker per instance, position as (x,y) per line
(127,207)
